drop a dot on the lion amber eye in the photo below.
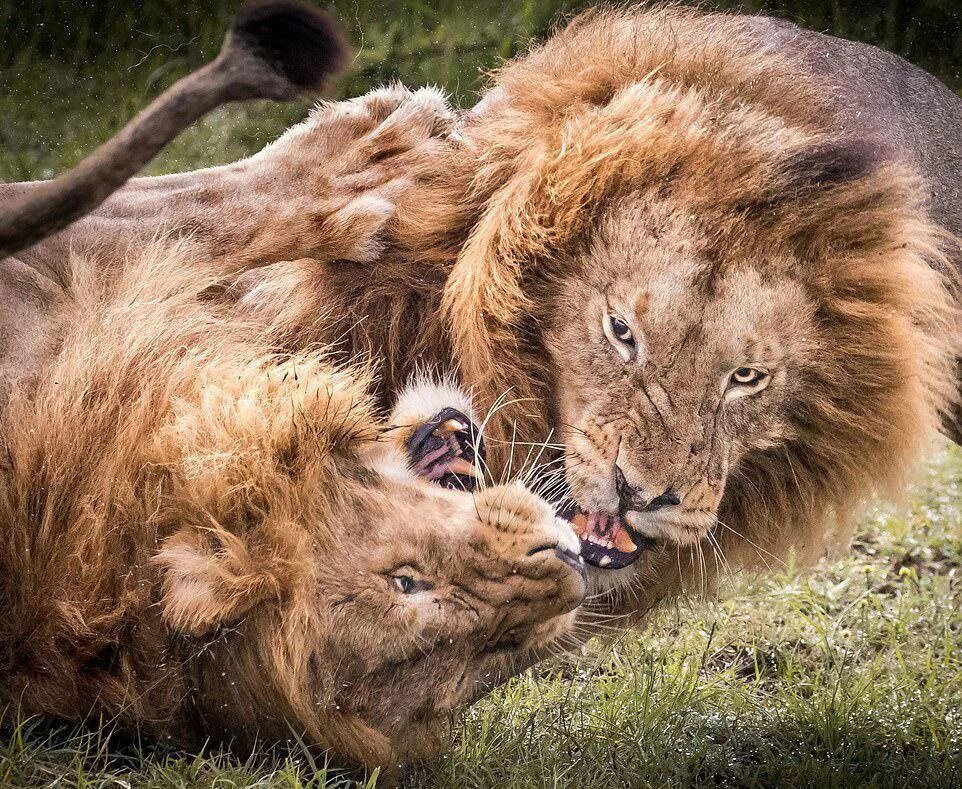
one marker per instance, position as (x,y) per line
(408,584)
(621,330)
(748,376)
(621,337)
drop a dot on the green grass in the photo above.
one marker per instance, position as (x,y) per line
(69,85)
(848,676)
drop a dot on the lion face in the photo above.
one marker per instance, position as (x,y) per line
(359,602)
(669,371)
(450,588)
(419,596)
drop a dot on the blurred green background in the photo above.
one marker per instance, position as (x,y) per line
(72,71)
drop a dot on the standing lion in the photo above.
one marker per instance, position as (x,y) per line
(710,256)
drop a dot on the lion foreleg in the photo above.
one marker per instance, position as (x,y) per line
(327,190)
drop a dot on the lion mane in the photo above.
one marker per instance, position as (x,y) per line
(687,107)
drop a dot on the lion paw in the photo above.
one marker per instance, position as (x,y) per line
(376,138)
(339,176)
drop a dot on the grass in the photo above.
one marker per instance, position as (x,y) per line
(68,87)
(849,676)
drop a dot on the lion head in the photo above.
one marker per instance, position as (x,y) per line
(361,603)
(728,316)
(205,538)
(410,605)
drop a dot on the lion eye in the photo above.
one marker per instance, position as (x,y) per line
(407,584)
(620,335)
(404,583)
(621,330)
(747,380)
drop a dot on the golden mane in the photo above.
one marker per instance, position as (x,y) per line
(198,530)
(687,106)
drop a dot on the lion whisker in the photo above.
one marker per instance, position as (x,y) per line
(719,554)
(755,545)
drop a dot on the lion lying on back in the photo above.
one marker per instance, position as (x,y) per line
(200,537)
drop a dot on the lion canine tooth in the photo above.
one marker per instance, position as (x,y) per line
(452,426)
(604,561)
(580,524)
(623,542)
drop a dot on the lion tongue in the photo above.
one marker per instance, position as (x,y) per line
(605,539)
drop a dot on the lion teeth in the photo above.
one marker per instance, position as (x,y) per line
(604,561)
(452,426)
(623,542)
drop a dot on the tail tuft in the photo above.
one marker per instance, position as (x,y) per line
(302,42)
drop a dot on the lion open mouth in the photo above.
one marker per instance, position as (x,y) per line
(606,540)
(448,449)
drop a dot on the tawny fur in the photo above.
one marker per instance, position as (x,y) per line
(497,242)
(199,534)
(684,114)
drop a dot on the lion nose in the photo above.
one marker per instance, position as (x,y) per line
(636,500)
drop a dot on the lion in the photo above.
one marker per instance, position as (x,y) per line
(206,538)
(663,242)
(734,303)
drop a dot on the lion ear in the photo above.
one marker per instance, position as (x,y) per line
(210,578)
(836,196)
